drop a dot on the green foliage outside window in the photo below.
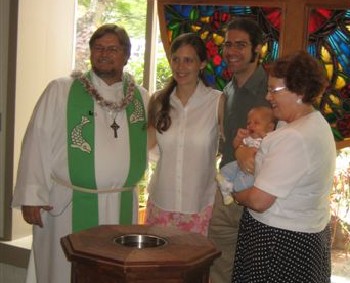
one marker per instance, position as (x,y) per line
(163,71)
(94,13)
(340,202)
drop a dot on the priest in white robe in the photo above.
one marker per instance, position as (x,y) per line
(84,151)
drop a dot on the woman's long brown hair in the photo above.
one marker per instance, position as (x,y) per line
(159,105)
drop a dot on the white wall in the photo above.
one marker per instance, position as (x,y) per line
(45,52)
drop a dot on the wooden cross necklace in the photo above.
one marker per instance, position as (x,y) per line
(115,126)
(128,83)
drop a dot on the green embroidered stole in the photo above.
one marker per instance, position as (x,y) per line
(81,155)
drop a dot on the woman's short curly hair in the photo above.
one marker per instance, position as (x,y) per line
(302,74)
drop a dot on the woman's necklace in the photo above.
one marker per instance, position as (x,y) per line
(110,105)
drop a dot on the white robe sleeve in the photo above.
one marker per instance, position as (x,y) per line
(36,159)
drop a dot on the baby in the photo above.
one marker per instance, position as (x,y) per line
(231,179)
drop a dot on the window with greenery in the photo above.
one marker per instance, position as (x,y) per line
(94,13)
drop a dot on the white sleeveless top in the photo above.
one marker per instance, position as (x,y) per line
(184,180)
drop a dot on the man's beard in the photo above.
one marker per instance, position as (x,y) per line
(105,73)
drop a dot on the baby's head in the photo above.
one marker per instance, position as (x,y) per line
(260,121)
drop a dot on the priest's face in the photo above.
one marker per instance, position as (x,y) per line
(108,58)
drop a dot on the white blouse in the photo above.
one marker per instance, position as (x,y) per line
(296,164)
(184,180)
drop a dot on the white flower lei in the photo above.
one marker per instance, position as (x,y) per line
(111,106)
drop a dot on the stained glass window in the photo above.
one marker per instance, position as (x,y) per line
(328,40)
(209,22)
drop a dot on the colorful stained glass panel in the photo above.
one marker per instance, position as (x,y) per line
(329,40)
(209,22)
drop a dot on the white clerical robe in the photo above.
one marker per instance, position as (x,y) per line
(44,154)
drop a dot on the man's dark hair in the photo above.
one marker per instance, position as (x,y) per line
(251,27)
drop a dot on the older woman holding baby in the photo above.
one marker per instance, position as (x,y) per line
(284,232)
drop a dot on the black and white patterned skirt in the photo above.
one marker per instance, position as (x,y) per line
(268,254)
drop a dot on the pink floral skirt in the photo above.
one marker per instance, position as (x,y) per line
(197,223)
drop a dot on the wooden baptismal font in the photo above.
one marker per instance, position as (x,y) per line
(138,253)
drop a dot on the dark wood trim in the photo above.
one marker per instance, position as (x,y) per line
(10,117)
(343,144)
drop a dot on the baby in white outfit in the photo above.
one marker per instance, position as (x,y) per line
(231,178)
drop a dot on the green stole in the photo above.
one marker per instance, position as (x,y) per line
(81,156)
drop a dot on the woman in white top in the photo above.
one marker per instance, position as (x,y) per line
(284,233)
(184,121)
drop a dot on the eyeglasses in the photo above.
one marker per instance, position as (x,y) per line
(238,45)
(108,49)
(276,89)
